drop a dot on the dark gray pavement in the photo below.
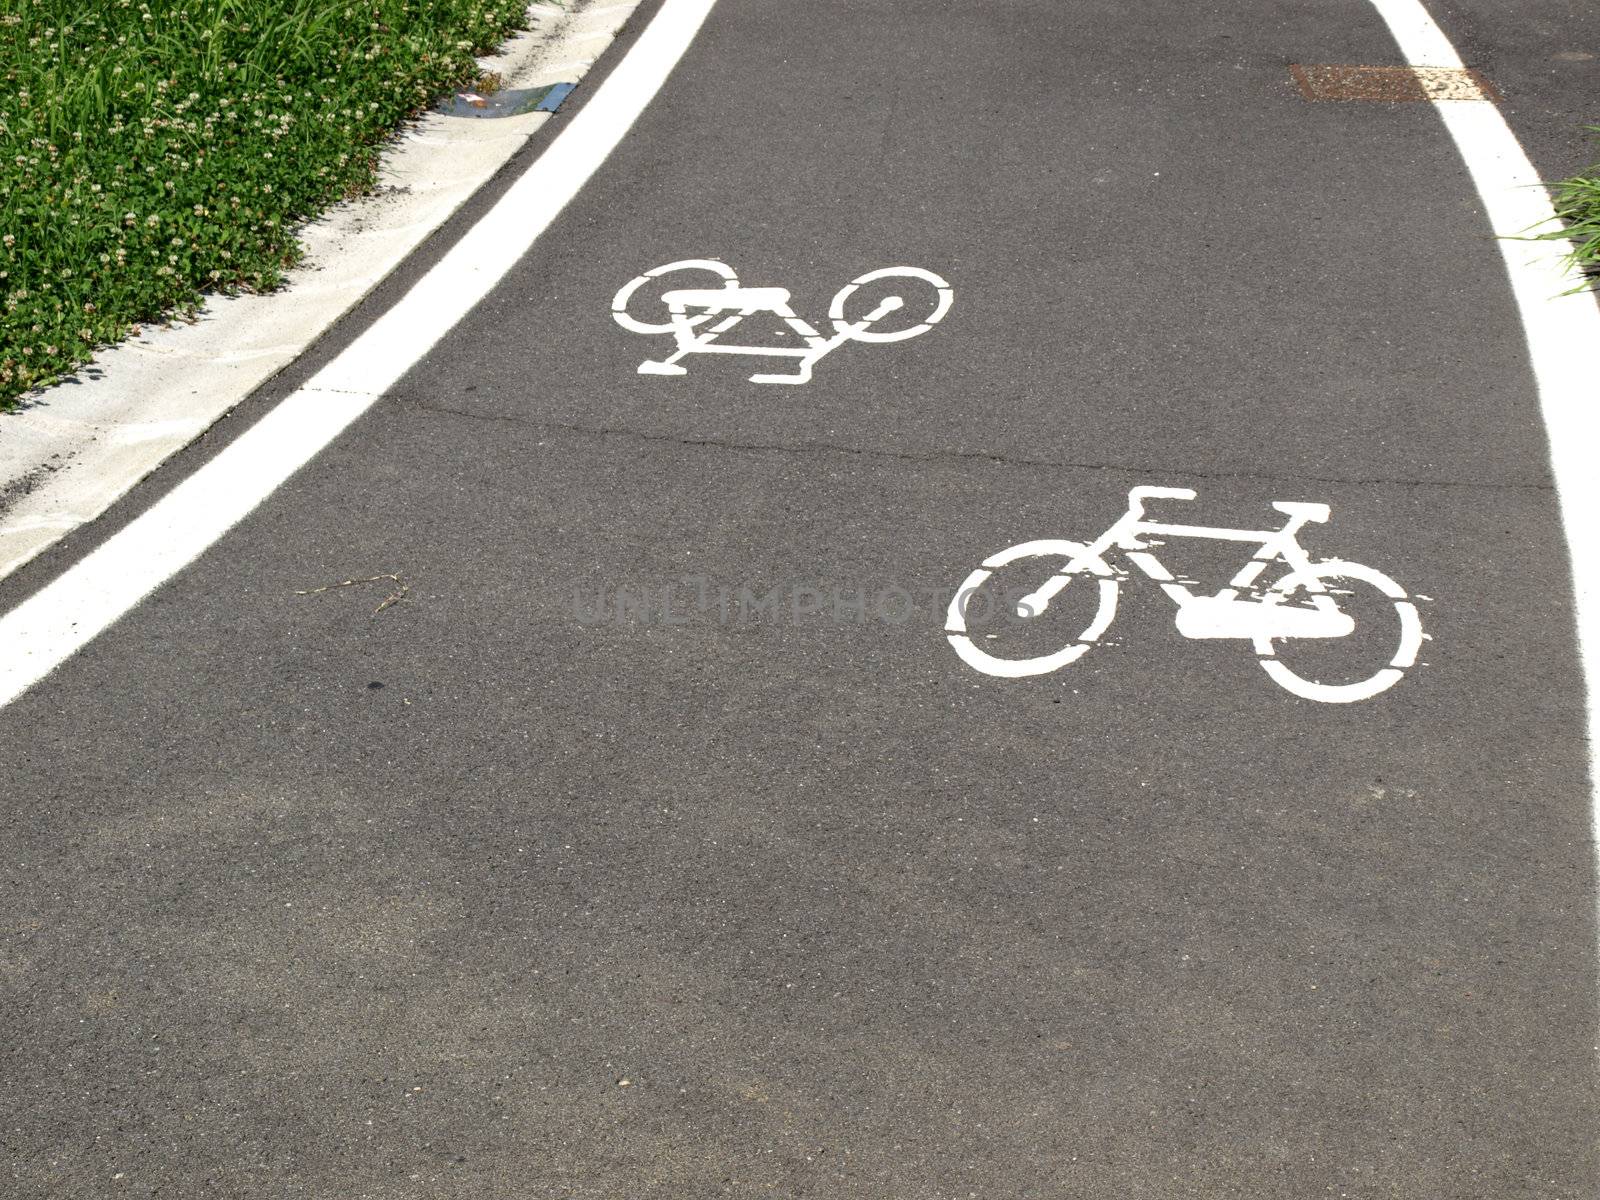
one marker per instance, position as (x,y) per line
(492,894)
(1544,57)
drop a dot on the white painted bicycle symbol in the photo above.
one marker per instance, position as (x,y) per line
(697,317)
(1300,604)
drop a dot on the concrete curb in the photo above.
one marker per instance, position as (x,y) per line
(77,447)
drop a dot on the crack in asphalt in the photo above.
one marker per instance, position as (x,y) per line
(602,431)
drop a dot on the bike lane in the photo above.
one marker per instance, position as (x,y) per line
(847,916)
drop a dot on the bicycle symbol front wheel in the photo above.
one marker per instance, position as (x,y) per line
(979,659)
(924,303)
(1335,576)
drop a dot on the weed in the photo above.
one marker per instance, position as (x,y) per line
(152,150)
(1577,202)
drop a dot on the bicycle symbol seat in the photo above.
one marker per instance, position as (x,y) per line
(698,317)
(1303,603)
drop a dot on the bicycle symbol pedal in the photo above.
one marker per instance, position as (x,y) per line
(699,317)
(1302,604)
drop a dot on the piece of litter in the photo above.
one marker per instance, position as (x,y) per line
(553,98)
(508,102)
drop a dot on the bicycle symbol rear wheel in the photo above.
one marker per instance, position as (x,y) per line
(978,659)
(619,303)
(1316,580)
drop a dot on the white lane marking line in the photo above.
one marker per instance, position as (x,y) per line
(1562,330)
(1446,83)
(62,617)
(1422,42)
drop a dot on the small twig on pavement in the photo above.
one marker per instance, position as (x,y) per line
(394,597)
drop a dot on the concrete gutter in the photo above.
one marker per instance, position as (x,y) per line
(75,448)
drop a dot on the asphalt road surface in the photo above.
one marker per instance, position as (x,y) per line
(654,840)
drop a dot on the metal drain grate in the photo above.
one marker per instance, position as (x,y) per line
(1391,84)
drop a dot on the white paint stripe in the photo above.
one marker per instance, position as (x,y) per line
(58,620)
(1562,331)
(1447,83)
(1422,42)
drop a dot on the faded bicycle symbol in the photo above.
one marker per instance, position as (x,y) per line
(697,317)
(1304,603)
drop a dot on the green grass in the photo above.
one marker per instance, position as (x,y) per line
(151,150)
(1577,202)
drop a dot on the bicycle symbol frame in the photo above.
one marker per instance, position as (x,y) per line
(1299,604)
(693,317)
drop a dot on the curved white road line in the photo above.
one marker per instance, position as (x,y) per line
(65,615)
(1563,331)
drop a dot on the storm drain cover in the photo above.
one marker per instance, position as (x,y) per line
(508,102)
(1388,84)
